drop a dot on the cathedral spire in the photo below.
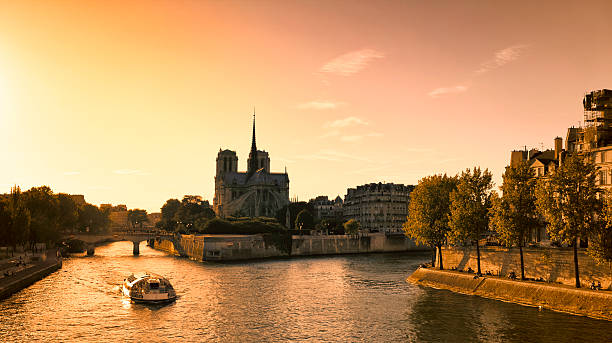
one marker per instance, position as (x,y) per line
(253,145)
(253,163)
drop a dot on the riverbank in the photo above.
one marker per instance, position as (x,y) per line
(249,247)
(21,278)
(556,297)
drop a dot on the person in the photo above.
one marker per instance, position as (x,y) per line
(598,286)
(593,286)
(470,270)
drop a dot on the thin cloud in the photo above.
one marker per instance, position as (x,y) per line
(351,63)
(351,138)
(502,57)
(320,105)
(349,121)
(70,173)
(447,90)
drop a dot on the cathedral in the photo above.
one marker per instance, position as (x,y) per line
(254,193)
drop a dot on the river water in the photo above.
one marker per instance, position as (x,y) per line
(351,298)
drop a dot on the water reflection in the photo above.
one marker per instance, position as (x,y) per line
(325,299)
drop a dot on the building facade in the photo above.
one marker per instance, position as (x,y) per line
(378,206)
(254,193)
(327,209)
(595,137)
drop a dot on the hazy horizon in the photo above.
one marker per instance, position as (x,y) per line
(129,103)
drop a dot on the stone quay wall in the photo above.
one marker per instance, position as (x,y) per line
(351,244)
(551,264)
(585,302)
(244,247)
(220,247)
(45,266)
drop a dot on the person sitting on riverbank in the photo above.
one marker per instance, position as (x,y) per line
(512,275)
(470,270)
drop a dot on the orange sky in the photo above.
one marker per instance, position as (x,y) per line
(131,103)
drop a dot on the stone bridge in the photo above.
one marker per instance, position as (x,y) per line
(136,237)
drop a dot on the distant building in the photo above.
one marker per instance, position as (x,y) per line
(153,218)
(117,215)
(79,199)
(542,162)
(595,138)
(327,209)
(256,192)
(378,206)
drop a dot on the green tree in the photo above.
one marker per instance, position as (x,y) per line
(600,240)
(469,208)
(43,207)
(193,212)
(15,219)
(304,220)
(569,200)
(514,214)
(168,212)
(137,216)
(93,220)
(68,213)
(351,227)
(429,211)
(294,209)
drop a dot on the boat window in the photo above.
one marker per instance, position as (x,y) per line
(154,285)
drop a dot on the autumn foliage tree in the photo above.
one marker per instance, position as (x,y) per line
(569,200)
(429,210)
(514,214)
(469,208)
(351,227)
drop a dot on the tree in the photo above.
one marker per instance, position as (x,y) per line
(469,207)
(17,224)
(193,210)
(68,214)
(294,209)
(137,216)
(43,207)
(351,227)
(429,210)
(168,212)
(569,201)
(304,220)
(92,219)
(600,240)
(514,214)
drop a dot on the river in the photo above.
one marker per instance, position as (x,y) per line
(350,298)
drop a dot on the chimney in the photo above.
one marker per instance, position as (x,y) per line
(558,147)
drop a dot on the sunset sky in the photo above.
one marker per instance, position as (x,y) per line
(128,102)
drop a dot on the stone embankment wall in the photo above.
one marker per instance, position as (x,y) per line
(243,247)
(347,244)
(220,247)
(45,266)
(551,264)
(586,302)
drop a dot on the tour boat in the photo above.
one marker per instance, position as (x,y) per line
(148,288)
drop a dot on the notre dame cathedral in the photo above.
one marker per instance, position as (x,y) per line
(253,193)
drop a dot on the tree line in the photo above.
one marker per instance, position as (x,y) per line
(40,216)
(460,209)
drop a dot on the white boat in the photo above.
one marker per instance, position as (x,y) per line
(148,288)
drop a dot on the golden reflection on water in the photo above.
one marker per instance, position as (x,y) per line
(343,298)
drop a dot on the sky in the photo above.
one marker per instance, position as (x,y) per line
(129,102)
